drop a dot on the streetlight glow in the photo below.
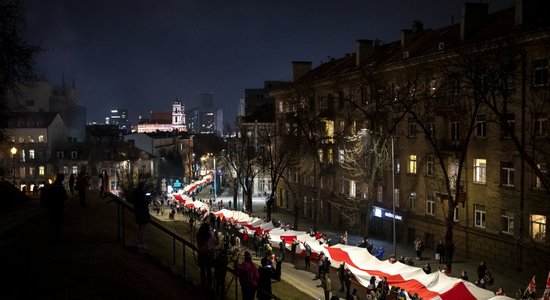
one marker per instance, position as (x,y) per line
(13,151)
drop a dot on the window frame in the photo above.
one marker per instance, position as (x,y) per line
(412,166)
(430,204)
(540,236)
(506,222)
(507,174)
(480,171)
(480,216)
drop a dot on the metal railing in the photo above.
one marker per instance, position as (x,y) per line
(123,205)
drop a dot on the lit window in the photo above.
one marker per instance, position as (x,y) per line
(352,188)
(430,205)
(480,170)
(481,126)
(507,221)
(397,165)
(430,166)
(412,164)
(22,172)
(479,215)
(31,154)
(31,171)
(412,201)
(41,170)
(65,170)
(320,152)
(75,170)
(341,155)
(330,157)
(506,173)
(538,227)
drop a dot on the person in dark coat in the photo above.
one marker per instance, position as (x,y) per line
(81,186)
(440,250)
(481,270)
(141,212)
(53,198)
(71,183)
(264,282)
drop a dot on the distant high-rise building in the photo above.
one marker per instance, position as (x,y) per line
(258,99)
(119,116)
(205,119)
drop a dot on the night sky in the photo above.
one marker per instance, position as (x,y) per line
(144,54)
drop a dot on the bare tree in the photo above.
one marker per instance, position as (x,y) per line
(17,59)
(241,156)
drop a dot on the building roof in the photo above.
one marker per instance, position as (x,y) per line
(29,119)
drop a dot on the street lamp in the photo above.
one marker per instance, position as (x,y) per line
(13,151)
(393,193)
(215,175)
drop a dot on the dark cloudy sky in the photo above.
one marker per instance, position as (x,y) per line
(143,54)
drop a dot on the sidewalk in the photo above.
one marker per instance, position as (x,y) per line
(89,262)
(509,280)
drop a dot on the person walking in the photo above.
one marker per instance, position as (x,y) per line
(347,282)
(341,273)
(326,285)
(481,270)
(53,198)
(307,257)
(264,282)
(141,213)
(71,183)
(418,247)
(379,252)
(204,244)
(81,187)
(440,252)
(248,276)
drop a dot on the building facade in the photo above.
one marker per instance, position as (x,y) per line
(464,107)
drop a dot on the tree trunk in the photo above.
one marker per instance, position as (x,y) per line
(235,193)
(269,206)
(249,202)
(449,244)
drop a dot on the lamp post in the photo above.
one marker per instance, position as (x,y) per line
(13,151)
(393,191)
(215,175)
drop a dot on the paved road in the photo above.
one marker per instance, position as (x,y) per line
(509,280)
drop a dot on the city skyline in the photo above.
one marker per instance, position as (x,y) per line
(143,56)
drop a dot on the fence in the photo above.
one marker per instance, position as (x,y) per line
(179,245)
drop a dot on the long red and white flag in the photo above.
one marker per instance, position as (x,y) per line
(546,295)
(531,287)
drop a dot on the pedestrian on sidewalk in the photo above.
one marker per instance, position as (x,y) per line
(440,252)
(81,187)
(293,250)
(340,273)
(326,285)
(205,246)
(379,252)
(71,183)
(481,270)
(141,213)
(347,282)
(307,256)
(264,282)
(282,249)
(53,197)
(248,277)
(418,247)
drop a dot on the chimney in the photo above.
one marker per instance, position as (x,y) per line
(531,11)
(364,49)
(299,69)
(474,16)
(407,35)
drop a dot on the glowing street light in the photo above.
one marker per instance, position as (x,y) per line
(13,151)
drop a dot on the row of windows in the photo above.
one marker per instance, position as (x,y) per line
(539,127)
(28,139)
(31,171)
(25,124)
